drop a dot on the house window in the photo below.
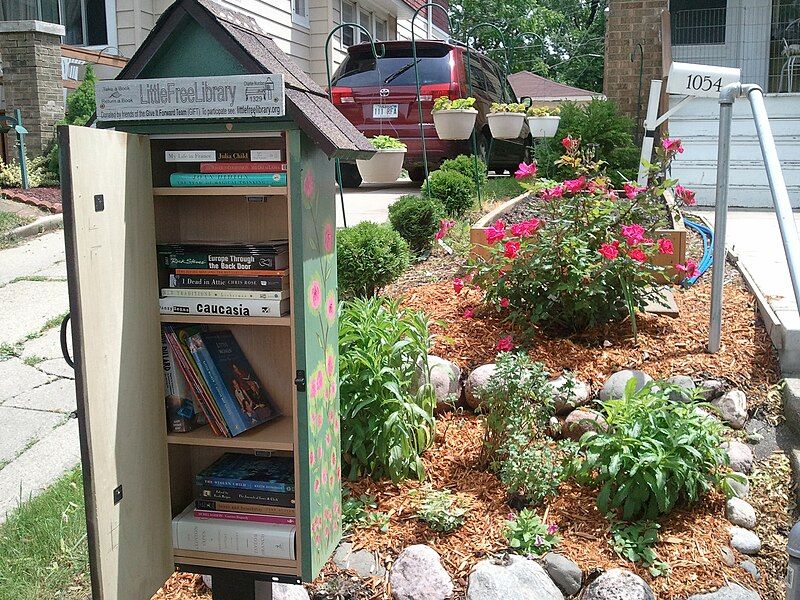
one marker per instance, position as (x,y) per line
(696,22)
(380,29)
(365,20)
(83,20)
(300,12)
(348,16)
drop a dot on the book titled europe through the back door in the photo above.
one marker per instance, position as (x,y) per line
(245,471)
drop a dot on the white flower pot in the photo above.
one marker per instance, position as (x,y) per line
(543,127)
(454,124)
(506,125)
(384,167)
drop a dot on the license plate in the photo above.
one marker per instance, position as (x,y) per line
(384,111)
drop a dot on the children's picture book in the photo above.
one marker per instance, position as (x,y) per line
(182,414)
(249,472)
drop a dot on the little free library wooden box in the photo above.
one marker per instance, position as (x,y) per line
(207,87)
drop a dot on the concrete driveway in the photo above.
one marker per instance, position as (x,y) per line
(370,202)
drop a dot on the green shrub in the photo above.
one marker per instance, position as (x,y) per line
(385,425)
(532,470)
(442,510)
(455,191)
(465,165)
(417,220)
(655,454)
(636,541)
(527,534)
(599,125)
(38,174)
(369,257)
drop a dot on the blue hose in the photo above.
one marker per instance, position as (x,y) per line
(708,244)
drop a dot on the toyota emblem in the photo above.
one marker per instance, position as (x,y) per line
(384,92)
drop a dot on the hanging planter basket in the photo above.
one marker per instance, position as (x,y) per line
(506,125)
(454,124)
(384,167)
(543,127)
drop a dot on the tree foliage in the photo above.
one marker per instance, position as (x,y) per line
(559,39)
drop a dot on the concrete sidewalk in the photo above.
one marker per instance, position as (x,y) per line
(754,240)
(38,429)
(370,202)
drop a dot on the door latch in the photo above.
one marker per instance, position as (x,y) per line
(300,381)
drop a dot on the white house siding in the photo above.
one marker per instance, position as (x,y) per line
(697,124)
(135,19)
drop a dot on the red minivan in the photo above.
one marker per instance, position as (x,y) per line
(379,98)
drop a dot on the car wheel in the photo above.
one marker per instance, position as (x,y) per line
(351,178)
(417,174)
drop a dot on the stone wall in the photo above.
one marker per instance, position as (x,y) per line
(628,23)
(31,55)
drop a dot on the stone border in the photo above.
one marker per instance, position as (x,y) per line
(40,225)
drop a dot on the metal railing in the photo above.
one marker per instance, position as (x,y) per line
(763,41)
(777,187)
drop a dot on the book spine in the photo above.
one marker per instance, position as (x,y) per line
(235,537)
(266,284)
(223,307)
(222,396)
(228,262)
(281,500)
(226,482)
(243,167)
(251,517)
(232,272)
(227,179)
(231,294)
(241,507)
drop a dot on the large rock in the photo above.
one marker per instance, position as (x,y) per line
(750,567)
(444,376)
(520,579)
(288,591)
(564,573)
(732,407)
(618,584)
(739,512)
(744,541)
(740,456)
(711,389)
(418,574)
(731,591)
(580,421)
(476,380)
(686,391)
(363,562)
(569,393)
(740,490)
(614,387)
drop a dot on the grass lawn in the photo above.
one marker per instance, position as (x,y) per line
(501,189)
(9,221)
(43,552)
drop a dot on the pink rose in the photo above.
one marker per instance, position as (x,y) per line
(504,302)
(608,251)
(469,313)
(505,344)
(573,186)
(672,145)
(524,171)
(511,249)
(633,234)
(525,228)
(569,143)
(553,192)
(687,196)
(445,226)
(458,285)
(637,255)
(689,269)
(495,233)
(632,190)
(665,246)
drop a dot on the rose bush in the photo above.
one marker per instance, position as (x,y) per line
(585,258)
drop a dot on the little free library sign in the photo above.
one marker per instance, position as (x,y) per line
(235,96)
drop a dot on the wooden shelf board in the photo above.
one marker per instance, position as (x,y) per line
(285,321)
(275,435)
(278,190)
(237,562)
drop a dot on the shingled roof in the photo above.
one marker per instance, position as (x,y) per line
(540,88)
(306,102)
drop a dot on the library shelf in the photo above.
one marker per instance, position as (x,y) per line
(275,435)
(278,190)
(284,321)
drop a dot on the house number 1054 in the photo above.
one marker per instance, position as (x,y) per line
(702,83)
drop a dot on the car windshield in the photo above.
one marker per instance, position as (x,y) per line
(361,69)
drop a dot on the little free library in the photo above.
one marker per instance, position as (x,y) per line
(200,235)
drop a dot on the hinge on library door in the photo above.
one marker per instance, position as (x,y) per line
(300,381)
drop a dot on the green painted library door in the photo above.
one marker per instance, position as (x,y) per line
(316,307)
(109,238)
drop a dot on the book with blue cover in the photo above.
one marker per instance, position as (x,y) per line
(249,472)
(227,179)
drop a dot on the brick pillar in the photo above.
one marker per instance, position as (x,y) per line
(31,56)
(628,23)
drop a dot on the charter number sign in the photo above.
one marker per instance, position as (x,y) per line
(231,97)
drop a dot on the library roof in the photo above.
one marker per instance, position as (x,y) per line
(256,52)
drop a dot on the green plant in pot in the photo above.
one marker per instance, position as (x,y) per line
(387,164)
(454,119)
(543,121)
(506,120)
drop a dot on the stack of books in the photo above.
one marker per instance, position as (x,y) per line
(225,279)
(244,504)
(223,386)
(245,168)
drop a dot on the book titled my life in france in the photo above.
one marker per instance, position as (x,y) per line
(245,471)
